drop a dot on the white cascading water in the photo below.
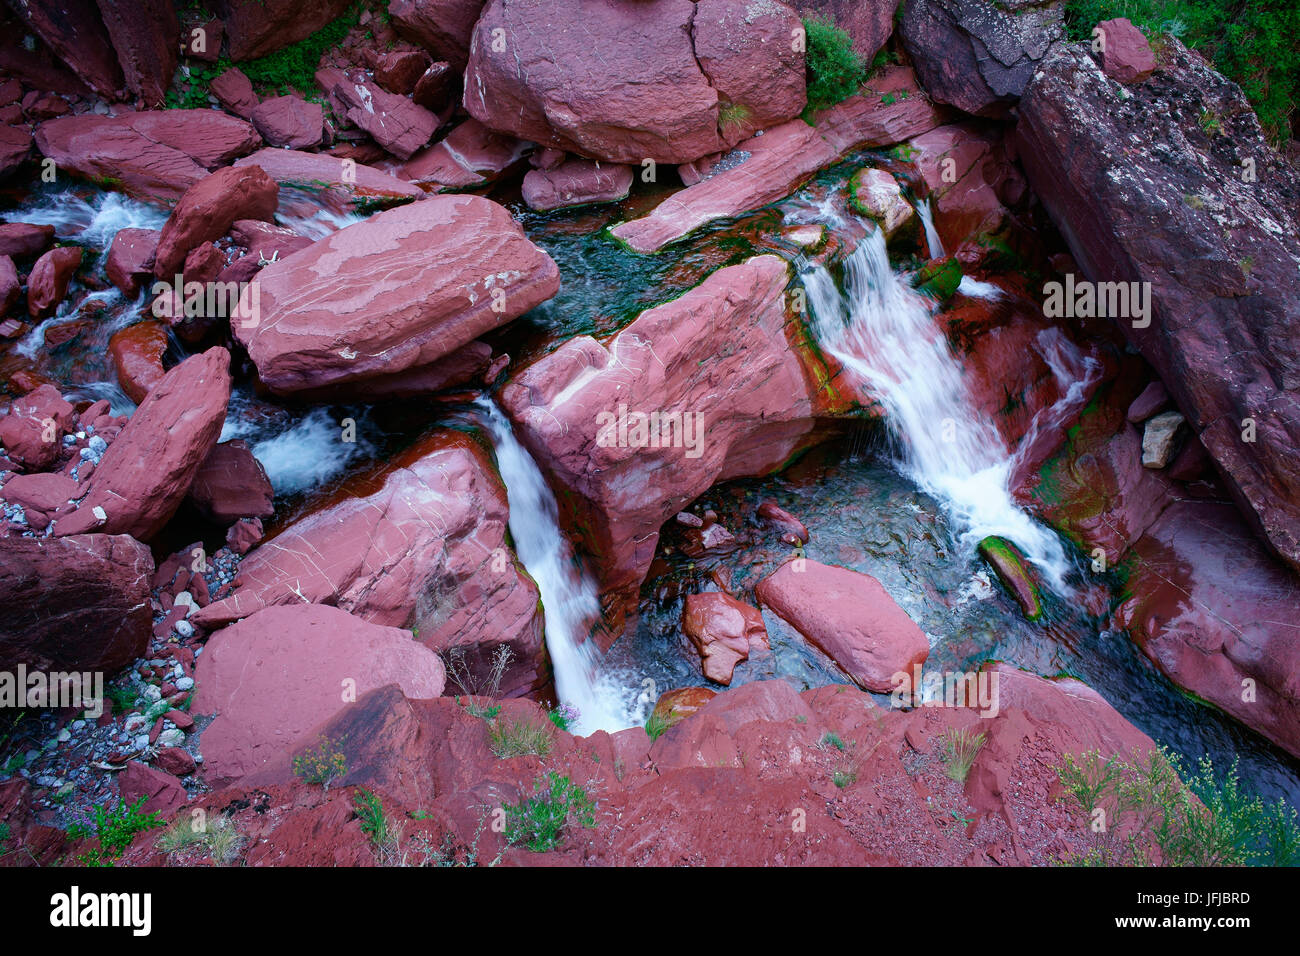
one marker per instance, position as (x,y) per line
(569,598)
(884,333)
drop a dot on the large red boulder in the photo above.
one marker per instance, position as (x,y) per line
(11,286)
(443,27)
(1209,605)
(393,294)
(21,240)
(234,91)
(153,155)
(1127,55)
(74,30)
(850,617)
(77,603)
(723,373)
(208,209)
(15,148)
(255,28)
(471,155)
(1135,185)
(868,24)
(149,467)
(143,34)
(422,547)
(131,257)
(723,631)
(48,283)
(137,352)
(290,122)
(667,80)
(979,56)
(271,679)
(395,122)
(232,484)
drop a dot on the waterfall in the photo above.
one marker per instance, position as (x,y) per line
(569,598)
(932,241)
(885,335)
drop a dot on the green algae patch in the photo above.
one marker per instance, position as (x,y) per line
(1012,568)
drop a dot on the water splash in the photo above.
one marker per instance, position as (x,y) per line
(91,220)
(298,454)
(885,335)
(569,598)
(932,240)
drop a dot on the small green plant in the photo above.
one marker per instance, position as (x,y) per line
(4,838)
(370,811)
(515,738)
(564,716)
(844,777)
(221,838)
(1154,813)
(832,739)
(115,828)
(323,765)
(539,822)
(656,724)
(124,698)
(1210,123)
(489,685)
(731,116)
(835,70)
(959,750)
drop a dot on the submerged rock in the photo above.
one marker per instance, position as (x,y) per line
(723,630)
(575,183)
(48,283)
(393,294)
(353,183)
(1013,570)
(137,353)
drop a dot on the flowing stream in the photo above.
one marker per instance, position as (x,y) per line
(569,598)
(885,334)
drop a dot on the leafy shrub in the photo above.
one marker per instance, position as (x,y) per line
(115,828)
(1143,814)
(1253,44)
(323,765)
(835,70)
(370,811)
(656,724)
(564,716)
(539,822)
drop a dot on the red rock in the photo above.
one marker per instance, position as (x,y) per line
(771,511)
(41,106)
(443,27)
(674,706)
(434,89)
(400,70)
(232,484)
(977,58)
(180,719)
(606,80)
(153,155)
(1068,138)
(849,616)
(208,209)
(203,40)
(234,91)
(969,202)
(747,54)
(130,258)
(264,242)
(424,550)
(355,182)
(48,284)
(256,29)
(137,353)
(272,679)
(175,761)
(11,287)
(15,148)
(576,183)
(78,603)
(891,108)
(395,122)
(34,427)
(290,121)
(203,263)
(143,33)
(149,467)
(721,352)
(243,534)
(1127,55)
(471,155)
(394,293)
(163,792)
(75,32)
(44,491)
(722,630)
(21,240)
(1153,399)
(1203,605)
